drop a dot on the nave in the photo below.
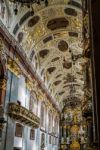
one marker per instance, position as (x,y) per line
(47,85)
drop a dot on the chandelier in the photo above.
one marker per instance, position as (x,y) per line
(27,3)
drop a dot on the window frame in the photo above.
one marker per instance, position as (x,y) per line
(17,134)
(32,134)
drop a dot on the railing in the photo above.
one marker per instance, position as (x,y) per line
(23,115)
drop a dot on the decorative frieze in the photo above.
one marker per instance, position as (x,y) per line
(23,115)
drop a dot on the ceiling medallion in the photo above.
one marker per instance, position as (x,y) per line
(57,23)
(61,93)
(69,78)
(70,11)
(67,65)
(65,86)
(57,82)
(59,75)
(20,37)
(43,53)
(33,21)
(51,69)
(55,59)
(63,46)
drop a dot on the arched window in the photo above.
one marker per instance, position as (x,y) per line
(50,123)
(31,103)
(42,115)
(35,106)
(56,125)
(50,139)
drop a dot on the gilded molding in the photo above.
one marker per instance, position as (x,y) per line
(1,46)
(3,83)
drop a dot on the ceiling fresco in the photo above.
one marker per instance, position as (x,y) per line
(52,39)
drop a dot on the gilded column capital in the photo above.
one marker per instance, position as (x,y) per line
(29,85)
(40,95)
(13,67)
(47,103)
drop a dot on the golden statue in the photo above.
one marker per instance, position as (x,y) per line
(75,145)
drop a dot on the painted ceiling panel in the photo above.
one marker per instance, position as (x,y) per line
(53,41)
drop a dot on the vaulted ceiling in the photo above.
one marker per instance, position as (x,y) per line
(52,39)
